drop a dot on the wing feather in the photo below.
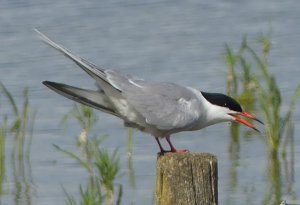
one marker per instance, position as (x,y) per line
(166,106)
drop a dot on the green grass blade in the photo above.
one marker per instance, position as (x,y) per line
(73,156)
(261,65)
(130,141)
(231,59)
(243,45)
(120,194)
(3,129)
(31,129)
(291,108)
(70,200)
(10,98)
(293,102)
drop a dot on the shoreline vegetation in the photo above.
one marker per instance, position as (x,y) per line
(250,81)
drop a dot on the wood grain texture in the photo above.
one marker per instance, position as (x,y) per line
(186,179)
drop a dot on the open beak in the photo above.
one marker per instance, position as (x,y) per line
(243,121)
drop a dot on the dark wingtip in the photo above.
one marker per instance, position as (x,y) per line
(49,83)
(45,82)
(53,85)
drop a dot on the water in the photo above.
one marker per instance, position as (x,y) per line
(176,41)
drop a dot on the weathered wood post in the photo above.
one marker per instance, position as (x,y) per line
(186,179)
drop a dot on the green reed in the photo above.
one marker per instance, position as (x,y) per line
(88,196)
(102,166)
(241,86)
(248,85)
(251,82)
(3,131)
(240,81)
(275,187)
(19,125)
(131,171)
(108,168)
(86,118)
(269,97)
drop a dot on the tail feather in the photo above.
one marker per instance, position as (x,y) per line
(93,70)
(91,98)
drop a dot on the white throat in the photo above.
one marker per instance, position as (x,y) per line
(210,113)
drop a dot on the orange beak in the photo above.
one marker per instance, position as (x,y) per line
(243,121)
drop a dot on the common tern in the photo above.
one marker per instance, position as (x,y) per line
(160,109)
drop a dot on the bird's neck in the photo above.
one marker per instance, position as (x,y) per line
(215,114)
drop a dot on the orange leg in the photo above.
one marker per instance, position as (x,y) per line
(173,149)
(160,147)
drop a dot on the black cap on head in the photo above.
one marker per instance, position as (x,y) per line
(222,100)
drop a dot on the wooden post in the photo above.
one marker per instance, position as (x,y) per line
(186,179)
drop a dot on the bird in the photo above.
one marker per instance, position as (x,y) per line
(158,108)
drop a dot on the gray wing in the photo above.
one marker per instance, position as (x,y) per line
(166,106)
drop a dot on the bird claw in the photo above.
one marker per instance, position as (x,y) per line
(184,151)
